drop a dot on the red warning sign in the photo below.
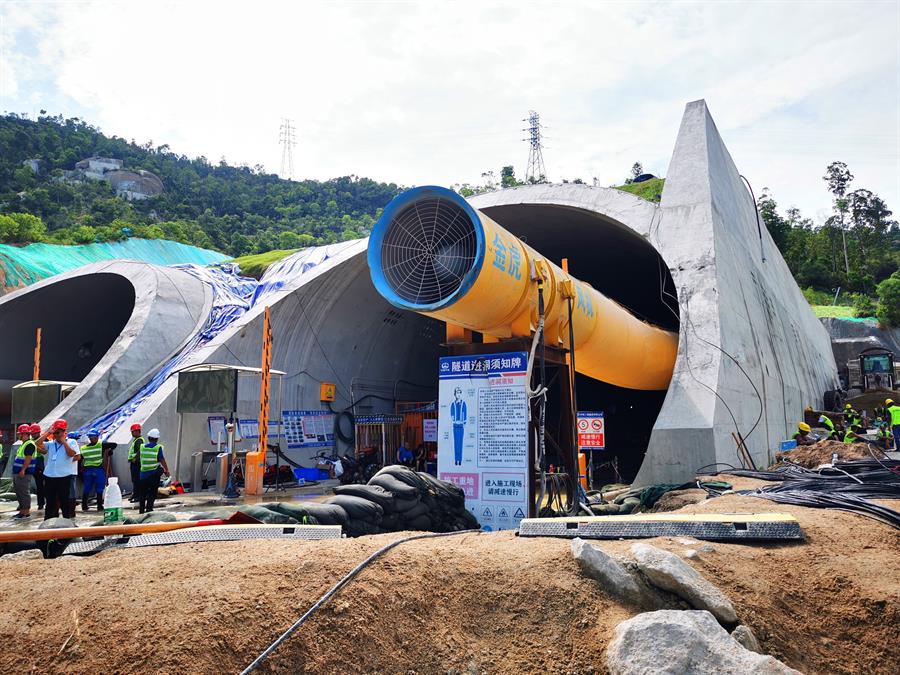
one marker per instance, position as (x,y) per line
(591,431)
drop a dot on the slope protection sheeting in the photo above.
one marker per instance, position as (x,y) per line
(24,265)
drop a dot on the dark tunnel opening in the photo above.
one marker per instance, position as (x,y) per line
(622,265)
(80,318)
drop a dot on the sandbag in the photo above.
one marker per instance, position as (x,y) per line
(221,514)
(266,516)
(152,517)
(405,475)
(326,514)
(422,522)
(401,506)
(358,508)
(297,511)
(374,493)
(360,528)
(443,490)
(390,483)
(411,514)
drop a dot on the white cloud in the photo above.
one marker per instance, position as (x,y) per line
(434,92)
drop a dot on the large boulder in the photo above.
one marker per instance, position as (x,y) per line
(611,574)
(681,642)
(670,573)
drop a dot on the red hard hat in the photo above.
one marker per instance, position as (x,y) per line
(60,425)
(135,427)
(24,429)
(35,428)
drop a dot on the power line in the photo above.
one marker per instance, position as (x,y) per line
(535,173)
(287,142)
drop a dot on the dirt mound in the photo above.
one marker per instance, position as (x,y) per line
(489,602)
(820,453)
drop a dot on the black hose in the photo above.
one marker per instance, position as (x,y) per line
(257,662)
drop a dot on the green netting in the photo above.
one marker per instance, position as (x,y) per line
(21,266)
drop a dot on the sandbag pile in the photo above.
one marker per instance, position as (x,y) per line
(396,499)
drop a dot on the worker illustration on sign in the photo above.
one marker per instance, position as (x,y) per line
(459,414)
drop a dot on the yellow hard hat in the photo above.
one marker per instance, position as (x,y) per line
(803,426)
(848,407)
(888,401)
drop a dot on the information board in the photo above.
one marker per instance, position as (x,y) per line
(308,428)
(250,429)
(591,431)
(483,434)
(430,430)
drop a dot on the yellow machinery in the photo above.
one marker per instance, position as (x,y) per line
(432,253)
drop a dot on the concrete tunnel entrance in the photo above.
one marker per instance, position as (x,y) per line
(80,319)
(622,265)
(393,353)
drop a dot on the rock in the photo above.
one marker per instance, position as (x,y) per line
(707,548)
(31,554)
(683,643)
(56,523)
(690,554)
(602,567)
(745,637)
(670,573)
(686,541)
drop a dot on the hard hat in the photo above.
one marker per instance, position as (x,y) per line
(60,425)
(803,426)
(24,429)
(35,428)
(848,407)
(93,432)
(878,419)
(888,401)
(153,433)
(135,427)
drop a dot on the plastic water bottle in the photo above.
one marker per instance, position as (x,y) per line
(112,502)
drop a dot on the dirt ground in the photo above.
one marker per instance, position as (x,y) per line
(812,456)
(472,603)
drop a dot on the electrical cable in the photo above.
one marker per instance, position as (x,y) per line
(257,662)
(762,253)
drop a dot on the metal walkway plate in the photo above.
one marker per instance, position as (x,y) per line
(706,526)
(208,533)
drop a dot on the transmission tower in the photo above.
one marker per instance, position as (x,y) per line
(287,142)
(535,173)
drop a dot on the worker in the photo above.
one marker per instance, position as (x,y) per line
(851,417)
(152,464)
(853,435)
(35,432)
(23,471)
(893,419)
(884,433)
(404,455)
(802,434)
(93,477)
(134,460)
(59,472)
(829,425)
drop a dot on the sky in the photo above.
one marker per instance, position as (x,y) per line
(436,92)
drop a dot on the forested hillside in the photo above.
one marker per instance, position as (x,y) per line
(236,210)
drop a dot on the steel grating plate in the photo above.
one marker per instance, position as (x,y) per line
(209,533)
(712,527)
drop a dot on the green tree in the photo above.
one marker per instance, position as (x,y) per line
(777,226)
(508,177)
(864,307)
(636,170)
(838,178)
(888,310)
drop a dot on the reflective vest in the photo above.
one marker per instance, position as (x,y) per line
(894,412)
(92,455)
(850,437)
(132,451)
(828,425)
(19,461)
(150,457)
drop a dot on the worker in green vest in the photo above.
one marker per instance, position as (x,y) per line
(828,424)
(153,464)
(893,420)
(851,416)
(23,471)
(853,435)
(93,476)
(134,465)
(884,433)
(802,434)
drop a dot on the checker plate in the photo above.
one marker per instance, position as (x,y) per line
(710,531)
